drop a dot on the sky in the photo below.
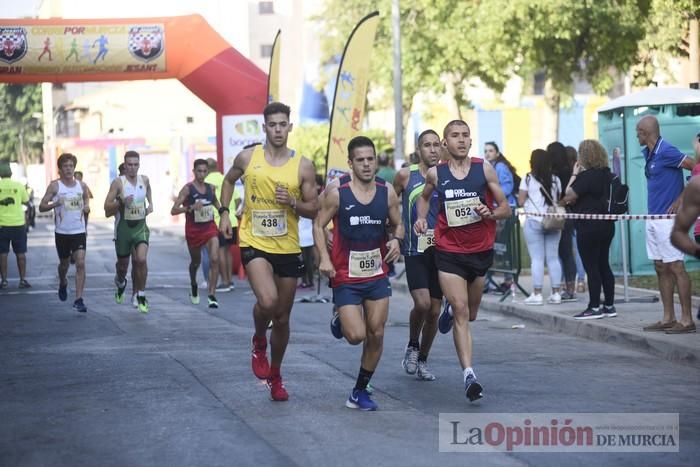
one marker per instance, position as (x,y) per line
(19,8)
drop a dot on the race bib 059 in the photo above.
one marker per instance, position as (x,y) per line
(365,263)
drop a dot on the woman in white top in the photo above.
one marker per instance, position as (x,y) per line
(542,244)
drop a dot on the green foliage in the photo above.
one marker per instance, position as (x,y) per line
(312,141)
(587,39)
(21,135)
(666,31)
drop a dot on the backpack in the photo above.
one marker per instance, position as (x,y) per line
(617,200)
(516,185)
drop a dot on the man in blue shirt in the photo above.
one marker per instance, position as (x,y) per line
(664,172)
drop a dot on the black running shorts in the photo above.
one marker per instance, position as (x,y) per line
(283,264)
(468,266)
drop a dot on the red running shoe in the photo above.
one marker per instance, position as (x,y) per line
(261,367)
(277,390)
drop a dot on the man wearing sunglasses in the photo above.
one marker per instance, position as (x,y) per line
(664,172)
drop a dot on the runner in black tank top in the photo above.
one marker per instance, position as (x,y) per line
(419,259)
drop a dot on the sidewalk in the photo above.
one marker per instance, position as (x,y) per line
(624,330)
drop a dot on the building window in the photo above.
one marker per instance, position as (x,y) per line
(266,50)
(266,8)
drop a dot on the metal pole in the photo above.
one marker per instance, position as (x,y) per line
(398,99)
(623,247)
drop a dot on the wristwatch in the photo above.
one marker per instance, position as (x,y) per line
(223,209)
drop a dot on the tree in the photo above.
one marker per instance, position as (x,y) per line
(666,36)
(21,135)
(592,40)
(436,53)
(311,141)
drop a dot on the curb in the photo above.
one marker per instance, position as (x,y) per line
(596,330)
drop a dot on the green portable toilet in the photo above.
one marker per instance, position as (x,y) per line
(678,112)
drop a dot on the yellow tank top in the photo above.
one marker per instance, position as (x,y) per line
(267,225)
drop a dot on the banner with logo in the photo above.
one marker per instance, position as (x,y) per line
(348,108)
(239,131)
(273,79)
(82,49)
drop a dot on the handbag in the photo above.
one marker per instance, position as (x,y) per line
(551,224)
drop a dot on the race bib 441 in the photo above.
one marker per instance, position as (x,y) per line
(136,211)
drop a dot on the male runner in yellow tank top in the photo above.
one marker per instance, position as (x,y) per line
(279,186)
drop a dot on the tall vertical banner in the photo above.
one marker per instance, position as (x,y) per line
(348,108)
(273,78)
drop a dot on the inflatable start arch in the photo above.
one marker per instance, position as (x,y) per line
(182,47)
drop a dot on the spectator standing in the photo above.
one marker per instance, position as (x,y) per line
(507,179)
(537,191)
(587,193)
(663,169)
(12,229)
(561,167)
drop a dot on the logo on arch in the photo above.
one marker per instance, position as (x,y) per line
(146,42)
(13,43)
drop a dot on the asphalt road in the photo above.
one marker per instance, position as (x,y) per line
(174,387)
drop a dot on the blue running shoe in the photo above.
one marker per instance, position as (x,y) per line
(78,305)
(472,388)
(359,399)
(63,292)
(445,320)
(336,330)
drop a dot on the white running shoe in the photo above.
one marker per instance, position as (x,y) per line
(134,301)
(423,373)
(554,299)
(410,360)
(534,299)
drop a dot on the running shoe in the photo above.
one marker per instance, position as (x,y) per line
(410,360)
(23,284)
(534,299)
(3,284)
(472,388)
(78,305)
(567,296)
(554,299)
(119,294)
(194,294)
(609,311)
(63,292)
(589,313)
(143,303)
(223,288)
(422,373)
(359,399)
(336,328)
(261,367)
(277,390)
(134,301)
(212,301)
(445,321)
